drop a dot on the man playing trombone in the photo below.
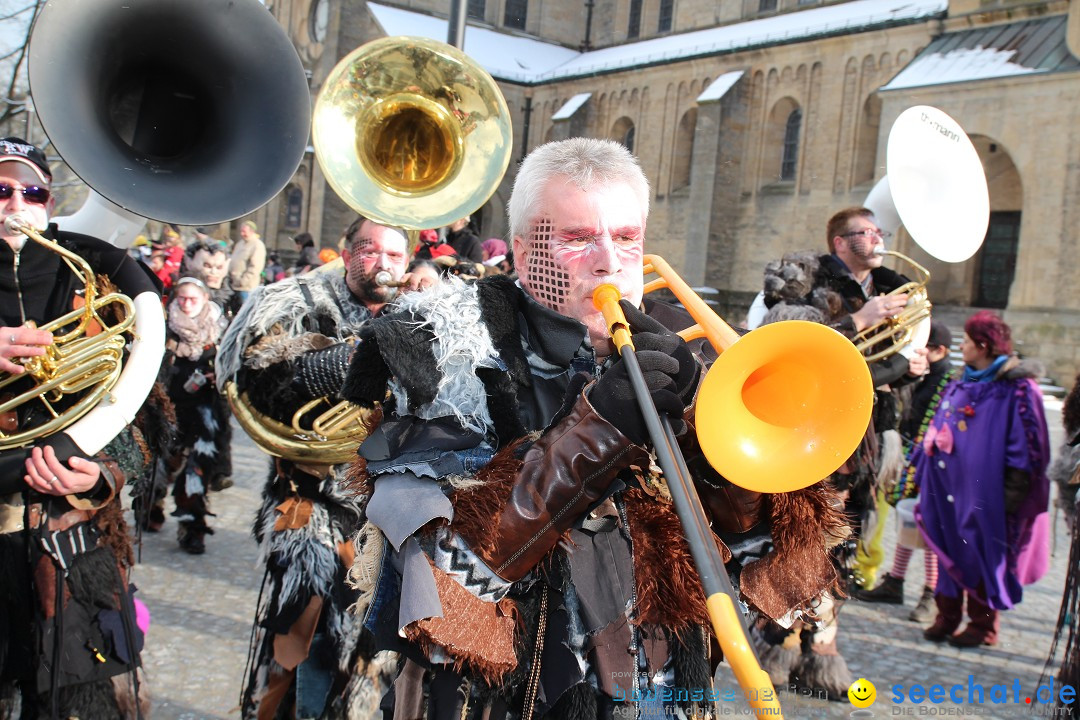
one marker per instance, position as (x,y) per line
(521,552)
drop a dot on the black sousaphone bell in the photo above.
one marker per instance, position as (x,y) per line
(185,111)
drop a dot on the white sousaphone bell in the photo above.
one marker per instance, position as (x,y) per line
(936,188)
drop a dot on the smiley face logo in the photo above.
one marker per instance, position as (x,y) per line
(862,693)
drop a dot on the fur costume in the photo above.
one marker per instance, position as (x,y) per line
(202,452)
(818,288)
(481,375)
(304,634)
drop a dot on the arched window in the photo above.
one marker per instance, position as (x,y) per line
(633,29)
(476,9)
(516,10)
(684,150)
(867,139)
(667,12)
(623,131)
(790,161)
(294,207)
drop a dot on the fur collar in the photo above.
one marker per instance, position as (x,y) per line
(285,307)
(452,350)
(1016,368)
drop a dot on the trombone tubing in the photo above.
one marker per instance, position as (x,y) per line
(728,624)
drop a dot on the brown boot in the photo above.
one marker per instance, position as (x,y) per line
(950,614)
(982,628)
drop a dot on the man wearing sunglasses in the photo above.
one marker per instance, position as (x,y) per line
(60,529)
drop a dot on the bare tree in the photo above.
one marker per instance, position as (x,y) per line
(16,20)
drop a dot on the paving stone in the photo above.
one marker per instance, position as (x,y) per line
(202,607)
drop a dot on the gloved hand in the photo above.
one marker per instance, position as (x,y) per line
(670,373)
(321,372)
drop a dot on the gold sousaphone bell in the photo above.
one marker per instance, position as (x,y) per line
(412,132)
(409,132)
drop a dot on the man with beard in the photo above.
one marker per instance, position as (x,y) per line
(290,343)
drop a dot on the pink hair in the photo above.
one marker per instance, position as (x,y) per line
(987,329)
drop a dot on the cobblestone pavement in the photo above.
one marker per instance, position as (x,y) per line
(202,608)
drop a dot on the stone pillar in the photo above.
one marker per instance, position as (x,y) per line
(703,170)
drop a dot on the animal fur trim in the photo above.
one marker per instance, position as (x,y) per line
(477,510)
(669,591)
(285,305)
(799,569)
(451,312)
(472,632)
(828,672)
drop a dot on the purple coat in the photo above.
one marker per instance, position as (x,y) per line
(978,430)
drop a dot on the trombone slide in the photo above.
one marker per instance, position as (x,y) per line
(727,623)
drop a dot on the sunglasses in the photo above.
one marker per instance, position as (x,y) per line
(33,194)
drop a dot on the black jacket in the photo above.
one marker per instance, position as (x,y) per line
(37,285)
(466,244)
(922,396)
(834,276)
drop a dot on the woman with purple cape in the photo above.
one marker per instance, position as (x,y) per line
(981,468)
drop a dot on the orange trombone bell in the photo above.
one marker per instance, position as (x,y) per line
(782,407)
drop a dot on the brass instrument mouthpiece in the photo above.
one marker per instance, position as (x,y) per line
(15,224)
(385,279)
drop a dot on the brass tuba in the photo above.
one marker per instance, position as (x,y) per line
(156,107)
(409,132)
(936,187)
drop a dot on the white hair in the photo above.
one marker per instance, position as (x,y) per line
(582,161)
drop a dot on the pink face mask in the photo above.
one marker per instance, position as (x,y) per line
(586,238)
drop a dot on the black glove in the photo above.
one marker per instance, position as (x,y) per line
(648,334)
(670,373)
(321,372)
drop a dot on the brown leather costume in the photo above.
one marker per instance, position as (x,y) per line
(550,508)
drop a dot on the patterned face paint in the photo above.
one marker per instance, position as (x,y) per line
(376,248)
(584,238)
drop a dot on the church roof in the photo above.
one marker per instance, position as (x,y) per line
(521,59)
(997,51)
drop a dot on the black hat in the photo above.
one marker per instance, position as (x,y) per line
(939,335)
(15,148)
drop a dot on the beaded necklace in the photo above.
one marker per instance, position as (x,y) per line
(906,487)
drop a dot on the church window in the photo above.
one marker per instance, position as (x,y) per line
(516,10)
(623,131)
(790,159)
(684,150)
(667,10)
(633,30)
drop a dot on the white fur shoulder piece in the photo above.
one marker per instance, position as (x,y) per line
(451,311)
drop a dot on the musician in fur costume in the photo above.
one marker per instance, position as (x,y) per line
(841,289)
(289,344)
(521,552)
